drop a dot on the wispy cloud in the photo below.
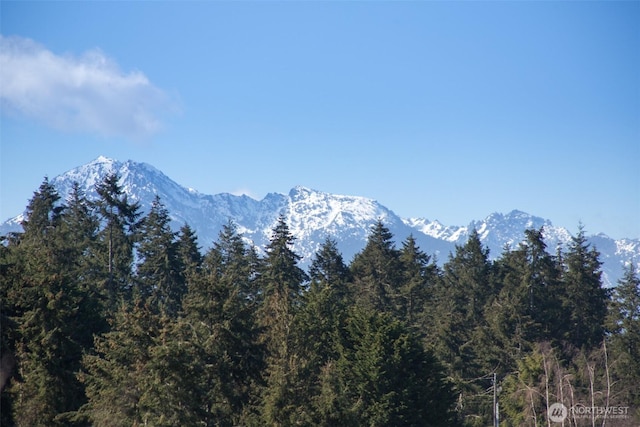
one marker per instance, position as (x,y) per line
(87,93)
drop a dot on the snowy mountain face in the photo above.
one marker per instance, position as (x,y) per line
(314,216)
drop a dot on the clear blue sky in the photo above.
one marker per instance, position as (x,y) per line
(444,110)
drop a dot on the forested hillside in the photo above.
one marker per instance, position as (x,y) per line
(109,318)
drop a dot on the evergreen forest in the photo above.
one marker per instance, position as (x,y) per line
(110,318)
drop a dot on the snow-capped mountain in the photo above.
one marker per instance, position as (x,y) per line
(313,216)
(496,231)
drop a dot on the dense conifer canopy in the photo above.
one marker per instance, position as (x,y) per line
(110,318)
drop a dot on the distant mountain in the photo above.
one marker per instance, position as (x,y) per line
(313,216)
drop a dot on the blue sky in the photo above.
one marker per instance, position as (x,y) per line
(444,110)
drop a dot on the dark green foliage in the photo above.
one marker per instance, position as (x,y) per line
(188,252)
(323,305)
(509,317)
(318,329)
(159,274)
(43,212)
(541,280)
(281,294)
(420,278)
(281,290)
(584,299)
(460,299)
(117,376)
(235,338)
(528,307)
(328,268)
(385,377)
(624,325)
(114,248)
(8,331)
(47,332)
(80,226)
(376,271)
(219,326)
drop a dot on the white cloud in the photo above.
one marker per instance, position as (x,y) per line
(88,93)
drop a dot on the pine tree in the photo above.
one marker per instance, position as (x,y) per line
(159,271)
(114,249)
(461,296)
(584,299)
(527,309)
(45,303)
(376,271)
(140,373)
(624,325)
(420,275)
(511,329)
(385,377)
(188,252)
(9,283)
(80,221)
(162,366)
(116,374)
(218,324)
(174,366)
(465,289)
(328,268)
(43,212)
(281,284)
(544,290)
(80,226)
(318,327)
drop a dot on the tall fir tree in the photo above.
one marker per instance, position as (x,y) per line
(159,270)
(116,375)
(188,252)
(318,327)
(218,321)
(114,251)
(46,300)
(8,326)
(80,226)
(528,307)
(377,276)
(460,298)
(420,276)
(511,329)
(329,269)
(585,299)
(385,377)
(281,281)
(624,338)
(541,280)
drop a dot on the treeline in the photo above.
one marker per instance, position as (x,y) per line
(109,318)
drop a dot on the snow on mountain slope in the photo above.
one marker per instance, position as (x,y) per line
(314,216)
(437,230)
(499,231)
(496,231)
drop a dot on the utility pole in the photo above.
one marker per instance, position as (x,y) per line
(496,413)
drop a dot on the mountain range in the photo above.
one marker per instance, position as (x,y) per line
(313,215)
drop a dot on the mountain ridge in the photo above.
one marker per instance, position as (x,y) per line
(313,215)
